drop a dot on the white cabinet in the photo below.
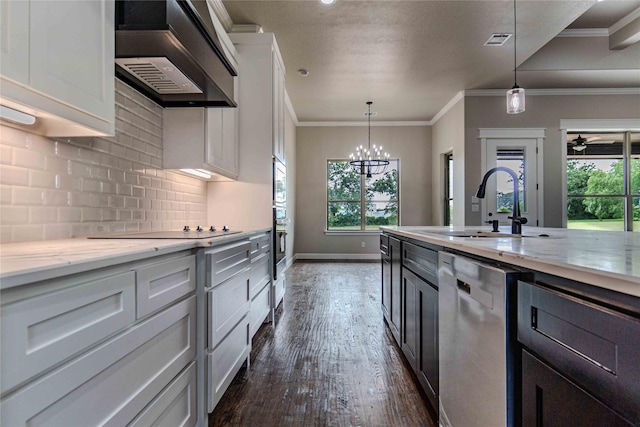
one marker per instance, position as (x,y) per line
(74,353)
(278,108)
(260,290)
(228,304)
(201,138)
(57,63)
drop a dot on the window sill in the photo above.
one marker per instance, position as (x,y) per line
(352,232)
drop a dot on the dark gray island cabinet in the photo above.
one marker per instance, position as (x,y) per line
(576,347)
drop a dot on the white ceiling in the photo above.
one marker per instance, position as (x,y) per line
(412,57)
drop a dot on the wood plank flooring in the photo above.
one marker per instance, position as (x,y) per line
(330,361)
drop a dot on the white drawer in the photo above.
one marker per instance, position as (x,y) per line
(226,261)
(160,284)
(260,308)
(260,246)
(42,331)
(111,384)
(227,304)
(259,276)
(226,360)
(175,406)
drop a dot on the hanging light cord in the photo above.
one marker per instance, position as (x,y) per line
(515,46)
(369,103)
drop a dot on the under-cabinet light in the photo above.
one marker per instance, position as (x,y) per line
(16,116)
(197,172)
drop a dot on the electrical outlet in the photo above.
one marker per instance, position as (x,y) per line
(363,244)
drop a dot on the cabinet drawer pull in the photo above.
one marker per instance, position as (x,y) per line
(465,287)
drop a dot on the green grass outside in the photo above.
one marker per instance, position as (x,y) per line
(604,225)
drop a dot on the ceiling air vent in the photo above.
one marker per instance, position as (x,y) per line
(159,74)
(497,39)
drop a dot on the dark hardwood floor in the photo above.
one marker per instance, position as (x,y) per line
(330,361)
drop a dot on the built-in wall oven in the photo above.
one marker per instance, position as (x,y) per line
(280,219)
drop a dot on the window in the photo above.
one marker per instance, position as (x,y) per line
(603,181)
(355,202)
(448,189)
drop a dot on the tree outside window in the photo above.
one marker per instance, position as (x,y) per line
(355,202)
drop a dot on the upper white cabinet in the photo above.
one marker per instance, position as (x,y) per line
(261,95)
(201,138)
(278,107)
(56,62)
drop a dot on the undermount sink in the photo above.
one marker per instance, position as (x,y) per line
(478,234)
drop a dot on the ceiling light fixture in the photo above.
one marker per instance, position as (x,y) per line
(327,1)
(515,96)
(368,161)
(303,72)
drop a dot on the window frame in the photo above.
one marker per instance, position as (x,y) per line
(363,201)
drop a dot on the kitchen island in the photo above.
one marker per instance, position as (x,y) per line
(558,341)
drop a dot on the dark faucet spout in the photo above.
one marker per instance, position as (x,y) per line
(516,219)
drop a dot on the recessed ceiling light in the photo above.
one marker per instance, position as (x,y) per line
(327,1)
(303,72)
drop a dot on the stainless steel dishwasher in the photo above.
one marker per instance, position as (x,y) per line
(477,336)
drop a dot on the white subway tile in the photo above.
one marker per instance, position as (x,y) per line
(5,195)
(131,202)
(80,199)
(58,165)
(108,187)
(131,178)
(81,230)
(41,144)
(68,215)
(56,198)
(101,228)
(99,200)
(57,231)
(131,227)
(5,234)
(42,215)
(124,215)
(13,137)
(118,150)
(161,195)
(28,196)
(138,191)
(124,189)
(91,214)
(10,215)
(137,215)
(145,204)
(14,176)
(28,159)
(116,201)
(6,154)
(27,233)
(91,185)
(109,215)
(117,227)
(42,179)
(125,165)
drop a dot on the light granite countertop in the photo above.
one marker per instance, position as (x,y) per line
(609,260)
(26,262)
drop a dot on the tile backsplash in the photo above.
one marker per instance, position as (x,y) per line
(56,188)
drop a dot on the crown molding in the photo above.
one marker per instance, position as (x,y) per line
(222,14)
(584,32)
(458,96)
(624,21)
(376,124)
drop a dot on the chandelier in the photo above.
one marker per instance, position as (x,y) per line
(515,96)
(369,160)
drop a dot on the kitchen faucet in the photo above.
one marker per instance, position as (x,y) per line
(516,220)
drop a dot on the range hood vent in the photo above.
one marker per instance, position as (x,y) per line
(159,74)
(169,50)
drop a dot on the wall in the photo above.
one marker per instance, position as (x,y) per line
(543,111)
(315,145)
(62,188)
(448,136)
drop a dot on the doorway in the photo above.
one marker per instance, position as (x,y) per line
(521,151)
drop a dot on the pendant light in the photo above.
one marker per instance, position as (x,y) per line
(368,161)
(515,96)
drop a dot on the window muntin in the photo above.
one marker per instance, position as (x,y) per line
(350,195)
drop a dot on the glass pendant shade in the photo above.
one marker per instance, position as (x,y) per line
(515,100)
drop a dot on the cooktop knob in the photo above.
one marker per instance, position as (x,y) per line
(225,228)
(212,228)
(199,229)
(186,228)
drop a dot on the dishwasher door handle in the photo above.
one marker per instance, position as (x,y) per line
(475,293)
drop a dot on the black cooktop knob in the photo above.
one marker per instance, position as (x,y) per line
(225,228)
(199,229)
(186,228)
(212,228)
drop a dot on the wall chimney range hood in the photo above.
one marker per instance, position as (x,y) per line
(169,50)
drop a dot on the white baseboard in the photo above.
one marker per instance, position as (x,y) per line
(331,256)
